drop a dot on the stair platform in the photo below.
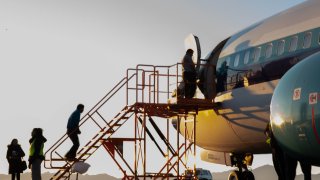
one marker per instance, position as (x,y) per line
(190,104)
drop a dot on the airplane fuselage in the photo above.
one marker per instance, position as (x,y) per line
(248,69)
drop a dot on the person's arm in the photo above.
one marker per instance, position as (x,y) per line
(77,118)
(22,154)
(77,121)
(8,154)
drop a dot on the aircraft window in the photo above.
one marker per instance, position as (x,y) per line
(228,61)
(236,60)
(257,53)
(269,50)
(281,47)
(246,57)
(307,40)
(293,44)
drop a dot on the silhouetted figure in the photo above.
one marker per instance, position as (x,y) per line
(222,75)
(14,156)
(291,166)
(306,169)
(73,131)
(36,155)
(277,153)
(284,164)
(189,74)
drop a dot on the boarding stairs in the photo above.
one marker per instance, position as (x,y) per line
(146,90)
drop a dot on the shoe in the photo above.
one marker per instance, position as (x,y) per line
(71,159)
(68,158)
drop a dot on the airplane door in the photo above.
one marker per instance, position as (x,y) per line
(192,42)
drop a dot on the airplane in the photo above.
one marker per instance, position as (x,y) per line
(265,73)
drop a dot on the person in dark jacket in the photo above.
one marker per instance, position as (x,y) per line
(14,156)
(36,155)
(189,74)
(73,131)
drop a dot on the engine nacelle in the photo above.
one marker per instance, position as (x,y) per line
(295,110)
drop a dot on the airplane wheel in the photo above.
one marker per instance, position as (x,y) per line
(235,175)
(247,175)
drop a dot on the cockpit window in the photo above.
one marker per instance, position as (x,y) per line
(307,40)
(269,50)
(281,47)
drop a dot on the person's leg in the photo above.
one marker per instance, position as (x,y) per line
(188,84)
(276,166)
(306,169)
(291,166)
(193,84)
(75,140)
(36,169)
(13,176)
(18,176)
(278,162)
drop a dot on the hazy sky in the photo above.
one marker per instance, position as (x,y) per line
(55,54)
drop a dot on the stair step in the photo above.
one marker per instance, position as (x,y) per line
(110,131)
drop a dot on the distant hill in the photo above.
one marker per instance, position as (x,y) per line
(266,172)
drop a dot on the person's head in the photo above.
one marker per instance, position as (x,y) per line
(189,52)
(36,132)
(80,107)
(14,142)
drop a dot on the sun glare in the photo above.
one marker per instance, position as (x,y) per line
(277,120)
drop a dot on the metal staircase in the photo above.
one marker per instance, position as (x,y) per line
(91,147)
(146,90)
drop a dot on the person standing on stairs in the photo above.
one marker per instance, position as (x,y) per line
(73,131)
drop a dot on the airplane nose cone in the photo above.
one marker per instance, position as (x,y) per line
(295,109)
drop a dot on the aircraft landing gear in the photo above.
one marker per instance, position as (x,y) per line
(242,162)
(244,175)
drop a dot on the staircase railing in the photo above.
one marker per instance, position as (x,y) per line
(144,84)
(87,117)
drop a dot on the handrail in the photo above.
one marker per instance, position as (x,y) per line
(147,89)
(84,119)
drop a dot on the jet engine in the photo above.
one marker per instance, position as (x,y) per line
(295,110)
